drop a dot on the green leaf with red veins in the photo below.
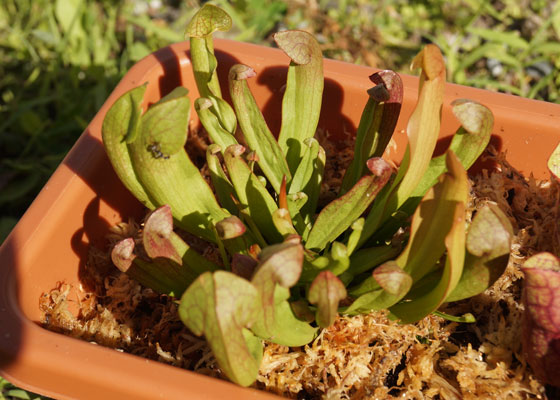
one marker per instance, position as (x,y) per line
(165,170)
(208,20)
(391,285)
(392,279)
(377,124)
(338,215)
(221,306)
(204,23)
(123,255)
(301,104)
(120,127)
(252,193)
(488,246)
(230,235)
(161,242)
(174,264)
(326,291)
(391,110)
(206,110)
(423,125)
(474,134)
(542,284)
(255,130)
(541,321)
(158,227)
(230,228)
(161,274)
(449,202)
(280,265)
(554,163)
(220,181)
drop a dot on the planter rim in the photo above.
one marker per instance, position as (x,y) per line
(67,368)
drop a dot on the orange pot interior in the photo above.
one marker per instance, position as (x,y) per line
(84,198)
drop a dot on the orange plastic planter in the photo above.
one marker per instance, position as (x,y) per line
(84,198)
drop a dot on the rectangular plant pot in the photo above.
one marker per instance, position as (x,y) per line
(84,198)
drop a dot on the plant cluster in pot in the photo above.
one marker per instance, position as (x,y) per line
(292,242)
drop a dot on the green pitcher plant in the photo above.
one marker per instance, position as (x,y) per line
(288,267)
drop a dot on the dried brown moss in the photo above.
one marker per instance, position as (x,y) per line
(358,357)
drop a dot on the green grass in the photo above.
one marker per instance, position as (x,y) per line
(497,45)
(58,63)
(60,59)
(11,392)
